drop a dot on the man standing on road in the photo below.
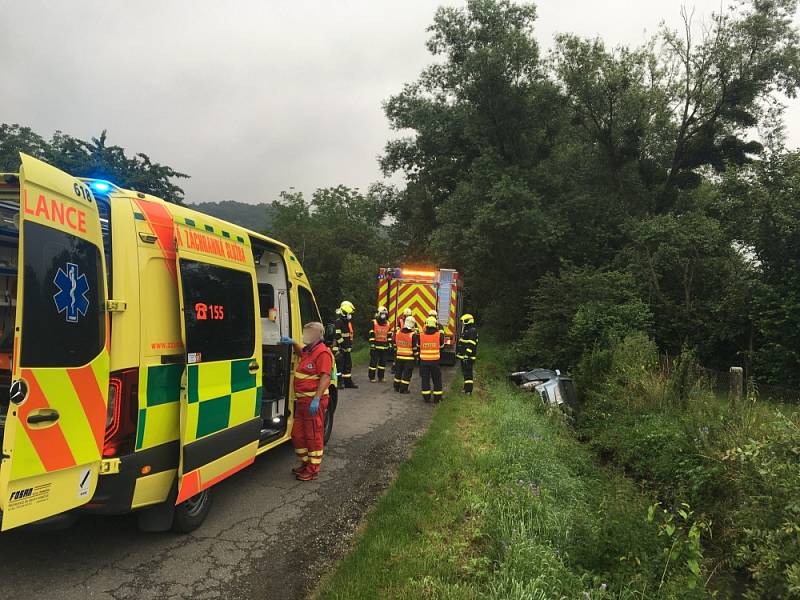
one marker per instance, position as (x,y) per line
(467,350)
(406,344)
(431,340)
(380,340)
(312,376)
(344,338)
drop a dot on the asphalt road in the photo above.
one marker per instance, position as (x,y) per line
(268,535)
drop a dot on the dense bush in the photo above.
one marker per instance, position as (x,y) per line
(737,464)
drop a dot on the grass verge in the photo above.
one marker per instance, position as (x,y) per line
(500,501)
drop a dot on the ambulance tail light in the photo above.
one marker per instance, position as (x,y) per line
(122,412)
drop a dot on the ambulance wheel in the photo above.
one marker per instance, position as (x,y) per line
(190,514)
(327,427)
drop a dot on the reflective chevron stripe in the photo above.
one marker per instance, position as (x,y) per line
(77,437)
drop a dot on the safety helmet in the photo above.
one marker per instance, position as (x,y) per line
(467,318)
(408,312)
(347,307)
(433,313)
(431,322)
(410,323)
(382,310)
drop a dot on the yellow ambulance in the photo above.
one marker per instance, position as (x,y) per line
(140,361)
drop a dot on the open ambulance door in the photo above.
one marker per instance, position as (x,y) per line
(220,414)
(53,437)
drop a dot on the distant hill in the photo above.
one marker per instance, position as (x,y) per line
(257,217)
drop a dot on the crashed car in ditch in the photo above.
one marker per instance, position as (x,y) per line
(553,388)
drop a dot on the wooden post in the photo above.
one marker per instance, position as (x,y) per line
(737,383)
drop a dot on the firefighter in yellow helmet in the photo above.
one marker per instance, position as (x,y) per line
(344,340)
(467,350)
(380,340)
(431,340)
(406,343)
(435,315)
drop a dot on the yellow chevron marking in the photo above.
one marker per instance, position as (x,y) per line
(55,383)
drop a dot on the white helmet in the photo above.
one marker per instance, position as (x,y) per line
(410,323)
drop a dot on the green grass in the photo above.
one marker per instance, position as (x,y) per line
(734,464)
(499,500)
(360,354)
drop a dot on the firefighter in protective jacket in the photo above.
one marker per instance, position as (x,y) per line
(431,340)
(344,340)
(435,315)
(406,344)
(380,340)
(311,380)
(467,350)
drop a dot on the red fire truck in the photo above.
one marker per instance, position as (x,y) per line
(424,290)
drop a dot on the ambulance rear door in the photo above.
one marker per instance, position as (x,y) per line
(221,389)
(55,426)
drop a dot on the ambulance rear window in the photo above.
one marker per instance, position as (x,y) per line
(308,309)
(219,311)
(63,322)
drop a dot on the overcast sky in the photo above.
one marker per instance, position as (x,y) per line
(250,98)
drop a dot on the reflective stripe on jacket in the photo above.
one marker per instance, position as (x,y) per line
(430,345)
(313,364)
(380,335)
(404,342)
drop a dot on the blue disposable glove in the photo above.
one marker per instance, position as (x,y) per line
(312,410)
(287,341)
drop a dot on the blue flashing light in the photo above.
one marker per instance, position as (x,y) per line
(100,186)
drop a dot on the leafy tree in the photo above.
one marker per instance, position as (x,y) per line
(684,101)
(581,309)
(90,159)
(483,123)
(15,139)
(340,237)
(605,159)
(685,264)
(761,208)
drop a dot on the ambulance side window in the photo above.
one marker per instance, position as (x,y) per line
(63,320)
(308,309)
(218,311)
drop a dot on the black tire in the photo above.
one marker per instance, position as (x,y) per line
(327,427)
(189,515)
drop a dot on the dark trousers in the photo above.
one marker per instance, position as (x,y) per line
(467,368)
(344,365)
(428,371)
(403,370)
(377,363)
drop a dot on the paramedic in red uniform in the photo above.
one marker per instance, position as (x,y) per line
(311,380)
